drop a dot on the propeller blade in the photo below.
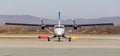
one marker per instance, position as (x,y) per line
(74,22)
(42,22)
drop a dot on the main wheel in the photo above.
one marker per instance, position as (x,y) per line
(48,38)
(69,39)
(59,39)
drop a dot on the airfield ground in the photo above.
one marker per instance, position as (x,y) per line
(81,41)
(84,45)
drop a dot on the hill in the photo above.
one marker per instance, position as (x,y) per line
(36,20)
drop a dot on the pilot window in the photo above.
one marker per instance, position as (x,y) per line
(59,27)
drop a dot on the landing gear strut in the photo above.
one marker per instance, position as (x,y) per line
(59,39)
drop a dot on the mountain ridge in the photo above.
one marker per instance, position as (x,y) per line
(36,20)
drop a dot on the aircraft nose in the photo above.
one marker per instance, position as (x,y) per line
(59,33)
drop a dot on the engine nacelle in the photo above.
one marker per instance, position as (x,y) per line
(75,26)
(43,27)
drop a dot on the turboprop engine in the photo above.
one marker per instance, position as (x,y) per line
(75,25)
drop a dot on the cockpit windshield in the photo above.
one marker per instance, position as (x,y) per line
(61,26)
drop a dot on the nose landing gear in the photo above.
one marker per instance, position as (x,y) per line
(59,39)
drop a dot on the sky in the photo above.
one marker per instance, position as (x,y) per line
(71,9)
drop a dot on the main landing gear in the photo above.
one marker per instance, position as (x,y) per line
(48,38)
(59,39)
(69,39)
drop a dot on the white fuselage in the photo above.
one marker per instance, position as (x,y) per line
(59,30)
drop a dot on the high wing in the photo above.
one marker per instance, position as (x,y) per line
(99,24)
(66,25)
(24,24)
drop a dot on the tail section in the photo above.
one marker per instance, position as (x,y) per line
(59,17)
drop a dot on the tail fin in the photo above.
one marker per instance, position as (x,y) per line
(59,17)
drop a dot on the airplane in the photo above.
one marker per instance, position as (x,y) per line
(59,29)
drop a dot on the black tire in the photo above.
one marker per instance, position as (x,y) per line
(38,37)
(69,39)
(48,38)
(59,39)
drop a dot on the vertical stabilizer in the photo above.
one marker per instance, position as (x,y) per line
(59,17)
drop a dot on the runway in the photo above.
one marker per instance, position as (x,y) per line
(84,46)
(59,52)
(83,41)
(64,44)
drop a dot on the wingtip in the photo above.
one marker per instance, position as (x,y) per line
(4,23)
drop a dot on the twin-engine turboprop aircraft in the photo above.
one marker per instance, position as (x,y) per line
(59,29)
